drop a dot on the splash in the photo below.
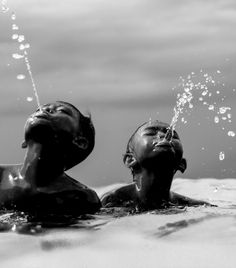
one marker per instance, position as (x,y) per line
(221,156)
(20,38)
(203,87)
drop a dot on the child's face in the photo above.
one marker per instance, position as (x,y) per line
(148,143)
(53,118)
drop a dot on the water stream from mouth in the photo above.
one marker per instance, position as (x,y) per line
(23,52)
(207,89)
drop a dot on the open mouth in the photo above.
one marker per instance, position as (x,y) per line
(41,116)
(162,144)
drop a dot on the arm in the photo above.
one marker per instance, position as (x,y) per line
(121,197)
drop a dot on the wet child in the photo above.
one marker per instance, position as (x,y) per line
(57,137)
(153,160)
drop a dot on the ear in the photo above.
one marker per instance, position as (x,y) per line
(129,160)
(182,165)
(24,145)
(81,143)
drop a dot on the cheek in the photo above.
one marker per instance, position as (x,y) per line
(178,149)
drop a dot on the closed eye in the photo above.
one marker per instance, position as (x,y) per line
(150,133)
(68,112)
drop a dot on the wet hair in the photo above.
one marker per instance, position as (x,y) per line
(74,154)
(129,150)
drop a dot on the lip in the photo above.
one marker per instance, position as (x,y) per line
(162,143)
(41,116)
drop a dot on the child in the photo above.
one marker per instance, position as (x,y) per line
(153,161)
(57,137)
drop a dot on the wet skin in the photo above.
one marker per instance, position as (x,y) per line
(40,185)
(154,161)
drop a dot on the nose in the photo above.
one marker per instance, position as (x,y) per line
(48,109)
(160,135)
(163,140)
(168,134)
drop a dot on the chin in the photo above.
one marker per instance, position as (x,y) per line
(161,159)
(40,131)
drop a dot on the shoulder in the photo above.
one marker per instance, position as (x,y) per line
(82,191)
(123,196)
(182,200)
(70,195)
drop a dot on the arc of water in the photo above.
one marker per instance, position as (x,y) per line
(32,78)
(21,38)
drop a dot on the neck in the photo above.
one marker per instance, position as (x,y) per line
(41,165)
(155,186)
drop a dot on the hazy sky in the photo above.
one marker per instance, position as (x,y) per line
(125,55)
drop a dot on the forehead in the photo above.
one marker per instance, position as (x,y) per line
(62,104)
(153,125)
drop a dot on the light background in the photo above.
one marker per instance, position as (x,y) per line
(120,60)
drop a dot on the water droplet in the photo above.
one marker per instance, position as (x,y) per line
(190,105)
(231,133)
(217,92)
(204,92)
(211,107)
(234,89)
(17,56)
(14,36)
(29,99)
(203,148)
(5,9)
(15,27)
(13,16)
(224,118)
(201,99)
(229,116)
(223,110)
(20,76)
(218,71)
(221,156)
(21,38)
(21,47)
(216,119)
(27,45)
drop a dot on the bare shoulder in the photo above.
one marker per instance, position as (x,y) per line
(122,196)
(182,200)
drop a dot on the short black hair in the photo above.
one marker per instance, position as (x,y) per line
(75,155)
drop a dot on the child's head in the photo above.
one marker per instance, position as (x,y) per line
(147,148)
(62,124)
